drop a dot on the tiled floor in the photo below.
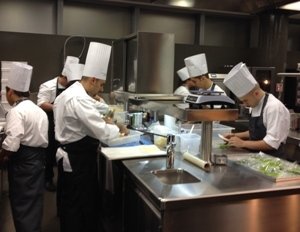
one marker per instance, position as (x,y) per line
(50,220)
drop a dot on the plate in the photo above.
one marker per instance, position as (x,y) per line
(222,137)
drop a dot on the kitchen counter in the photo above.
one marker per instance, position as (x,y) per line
(222,181)
(224,193)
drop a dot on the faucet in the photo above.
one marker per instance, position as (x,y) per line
(170,151)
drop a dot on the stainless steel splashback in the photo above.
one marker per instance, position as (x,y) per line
(144,63)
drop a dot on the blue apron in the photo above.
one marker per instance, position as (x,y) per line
(258,131)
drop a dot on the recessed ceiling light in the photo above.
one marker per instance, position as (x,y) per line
(182,3)
(291,6)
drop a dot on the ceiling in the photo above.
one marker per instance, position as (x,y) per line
(224,6)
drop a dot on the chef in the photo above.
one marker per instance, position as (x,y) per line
(185,87)
(269,121)
(198,72)
(78,127)
(74,73)
(25,148)
(48,91)
(187,83)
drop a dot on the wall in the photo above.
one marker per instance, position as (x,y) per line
(35,31)
(33,16)
(43,52)
(96,21)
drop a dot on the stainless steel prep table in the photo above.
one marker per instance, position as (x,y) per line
(228,198)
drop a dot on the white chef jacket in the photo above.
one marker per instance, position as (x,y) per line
(182,90)
(26,124)
(101,106)
(276,119)
(77,116)
(47,91)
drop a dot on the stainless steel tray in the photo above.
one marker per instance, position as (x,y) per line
(269,167)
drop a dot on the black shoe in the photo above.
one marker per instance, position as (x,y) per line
(50,186)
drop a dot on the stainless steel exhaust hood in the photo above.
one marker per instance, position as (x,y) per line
(144,63)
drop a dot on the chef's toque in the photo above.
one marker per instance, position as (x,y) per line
(97,59)
(20,77)
(74,72)
(239,80)
(69,60)
(196,65)
(183,74)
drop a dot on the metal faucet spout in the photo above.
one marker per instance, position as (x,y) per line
(170,151)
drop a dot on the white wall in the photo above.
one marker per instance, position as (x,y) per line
(29,16)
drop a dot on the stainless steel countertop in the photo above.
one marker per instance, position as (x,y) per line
(231,180)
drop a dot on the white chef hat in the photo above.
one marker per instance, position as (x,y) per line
(183,74)
(74,72)
(69,60)
(20,77)
(239,80)
(196,65)
(97,59)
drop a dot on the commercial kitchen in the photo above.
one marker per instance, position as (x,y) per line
(173,171)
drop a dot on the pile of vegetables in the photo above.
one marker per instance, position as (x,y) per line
(271,166)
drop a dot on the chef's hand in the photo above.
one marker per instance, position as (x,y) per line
(236,142)
(228,135)
(108,120)
(123,129)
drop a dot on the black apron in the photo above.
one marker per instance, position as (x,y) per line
(26,186)
(258,131)
(79,202)
(52,146)
(213,87)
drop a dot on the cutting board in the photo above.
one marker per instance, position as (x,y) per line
(140,151)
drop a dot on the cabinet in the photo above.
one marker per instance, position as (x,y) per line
(140,214)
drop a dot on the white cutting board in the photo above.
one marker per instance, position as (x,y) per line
(140,151)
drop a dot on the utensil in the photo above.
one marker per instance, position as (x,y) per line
(222,137)
(191,130)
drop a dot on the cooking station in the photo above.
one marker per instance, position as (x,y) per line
(228,198)
(225,198)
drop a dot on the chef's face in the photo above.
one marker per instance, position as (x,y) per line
(63,80)
(198,82)
(98,86)
(9,96)
(249,99)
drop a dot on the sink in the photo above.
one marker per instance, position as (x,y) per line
(174,176)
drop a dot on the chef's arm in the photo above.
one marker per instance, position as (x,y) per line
(123,129)
(241,135)
(260,145)
(48,107)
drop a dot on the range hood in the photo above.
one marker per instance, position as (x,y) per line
(144,63)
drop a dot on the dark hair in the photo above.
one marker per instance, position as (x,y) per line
(18,93)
